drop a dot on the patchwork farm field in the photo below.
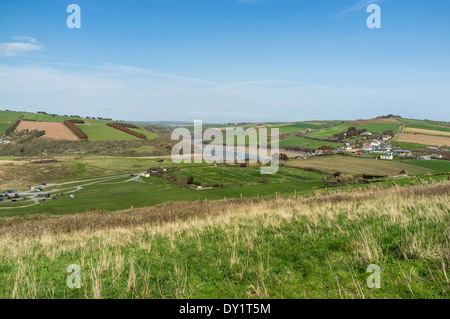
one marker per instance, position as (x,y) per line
(118,190)
(429,140)
(353,165)
(53,130)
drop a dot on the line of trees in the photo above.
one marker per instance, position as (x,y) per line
(78,132)
(13,127)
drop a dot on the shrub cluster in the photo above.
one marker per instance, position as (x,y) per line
(78,132)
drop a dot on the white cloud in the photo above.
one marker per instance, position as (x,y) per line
(25,38)
(26,44)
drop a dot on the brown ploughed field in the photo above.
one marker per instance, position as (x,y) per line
(53,130)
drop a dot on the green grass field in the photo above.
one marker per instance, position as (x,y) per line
(408,146)
(236,176)
(9,116)
(3,127)
(101,132)
(437,165)
(113,196)
(304,142)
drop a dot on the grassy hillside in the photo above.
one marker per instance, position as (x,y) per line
(317,247)
(372,127)
(48,118)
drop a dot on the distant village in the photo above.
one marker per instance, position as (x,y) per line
(379,146)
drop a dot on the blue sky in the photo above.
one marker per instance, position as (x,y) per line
(226,60)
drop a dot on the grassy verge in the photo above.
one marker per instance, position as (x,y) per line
(317,247)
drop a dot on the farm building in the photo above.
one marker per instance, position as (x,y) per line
(366,134)
(424,158)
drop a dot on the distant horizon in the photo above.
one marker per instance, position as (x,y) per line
(186,122)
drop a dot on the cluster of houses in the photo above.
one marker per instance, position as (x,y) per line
(377,146)
(380,146)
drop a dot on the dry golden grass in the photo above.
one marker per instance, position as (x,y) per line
(439,141)
(183,215)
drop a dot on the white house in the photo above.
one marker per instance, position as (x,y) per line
(387,157)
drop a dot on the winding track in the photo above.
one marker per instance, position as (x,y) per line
(33,195)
